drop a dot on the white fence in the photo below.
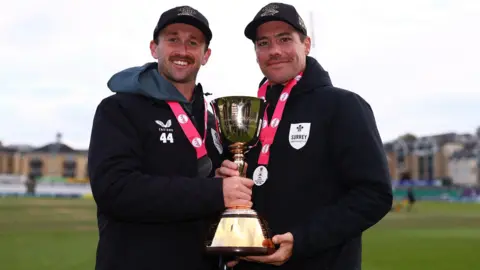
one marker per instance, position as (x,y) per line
(47,190)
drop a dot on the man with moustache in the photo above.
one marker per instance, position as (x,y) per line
(324,176)
(153,146)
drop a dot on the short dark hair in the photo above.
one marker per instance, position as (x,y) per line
(302,36)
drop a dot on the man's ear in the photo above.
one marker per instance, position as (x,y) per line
(153,49)
(206,56)
(308,43)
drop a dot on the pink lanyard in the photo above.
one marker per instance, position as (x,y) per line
(267,134)
(189,129)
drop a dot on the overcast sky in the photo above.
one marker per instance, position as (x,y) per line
(415,62)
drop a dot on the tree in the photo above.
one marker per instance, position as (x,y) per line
(409,137)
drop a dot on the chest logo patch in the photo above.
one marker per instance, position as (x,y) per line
(298,135)
(166,132)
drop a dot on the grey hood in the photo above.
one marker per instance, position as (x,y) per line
(145,80)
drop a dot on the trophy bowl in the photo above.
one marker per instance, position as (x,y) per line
(240,231)
(239,122)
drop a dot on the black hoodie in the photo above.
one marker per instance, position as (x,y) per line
(329,189)
(153,209)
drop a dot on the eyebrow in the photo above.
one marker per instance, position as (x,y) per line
(277,35)
(175,33)
(171,33)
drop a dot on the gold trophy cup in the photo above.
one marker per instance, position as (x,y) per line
(240,231)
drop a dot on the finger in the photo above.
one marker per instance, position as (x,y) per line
(229,164)
(219,173)
(271,259)
(261,259)
(242,196)
(227,172)
(232,263)
(247,182)
(244,189)
(242,203)
(282,238)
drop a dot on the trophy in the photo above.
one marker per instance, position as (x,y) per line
(240,231)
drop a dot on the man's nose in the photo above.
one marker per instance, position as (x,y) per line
(274,50)
(183,48)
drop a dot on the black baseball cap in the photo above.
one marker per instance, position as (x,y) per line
(275,12)
(187,15)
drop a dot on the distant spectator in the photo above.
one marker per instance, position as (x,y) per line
(411,198)
(31,184)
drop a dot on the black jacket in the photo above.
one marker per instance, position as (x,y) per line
(329,191)
(153,209)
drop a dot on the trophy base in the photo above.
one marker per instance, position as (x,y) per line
(240,232)
(240,251)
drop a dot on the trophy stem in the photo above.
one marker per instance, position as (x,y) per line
(238,150)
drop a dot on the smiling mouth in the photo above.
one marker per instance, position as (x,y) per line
(277,63)
(180,63)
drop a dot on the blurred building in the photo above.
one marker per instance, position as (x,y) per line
(463,165)
(53,162)
(7,159)
(435,157)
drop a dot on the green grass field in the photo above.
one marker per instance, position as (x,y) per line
(54,234)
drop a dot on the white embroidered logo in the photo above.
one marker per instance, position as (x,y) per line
(166,134)
(197,142)
(269,10)
(265,148)
(300,21)
(186,11)
(166,125)
(275,122)
(299,134)
(182,119)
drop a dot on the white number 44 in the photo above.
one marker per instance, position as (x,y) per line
(164,137)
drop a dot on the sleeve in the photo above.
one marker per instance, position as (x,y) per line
(362,168)
(123,192)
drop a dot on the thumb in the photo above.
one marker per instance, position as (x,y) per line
(280,238)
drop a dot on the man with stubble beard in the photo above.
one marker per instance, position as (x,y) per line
(320,171)
(153,146)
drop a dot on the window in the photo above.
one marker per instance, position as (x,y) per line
(430,166)
(36,167)
(70,168)
(421,168)
(10,165)
(401,152)
(425,149)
